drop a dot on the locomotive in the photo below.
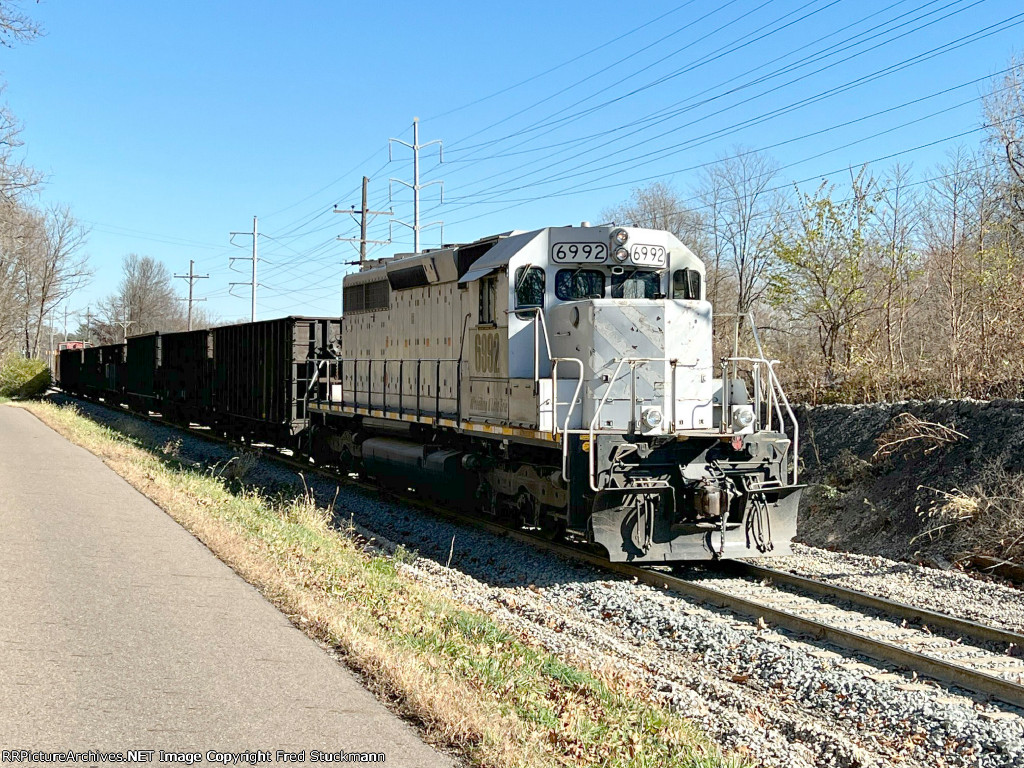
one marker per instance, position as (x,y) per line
(560,379)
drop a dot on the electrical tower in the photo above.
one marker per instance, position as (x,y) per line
(416,186)
(254,258)
(364,212)
(191,277)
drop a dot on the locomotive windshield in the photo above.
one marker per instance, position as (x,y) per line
(575,284)
(636,285)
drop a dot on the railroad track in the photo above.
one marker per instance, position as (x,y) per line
(931,644)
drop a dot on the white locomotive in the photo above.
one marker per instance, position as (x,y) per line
(562,379)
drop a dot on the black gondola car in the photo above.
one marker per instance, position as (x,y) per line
(186,375)
(260,375)
(69,369)
(102,372)
(142,361)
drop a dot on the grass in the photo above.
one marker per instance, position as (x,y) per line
(476,689)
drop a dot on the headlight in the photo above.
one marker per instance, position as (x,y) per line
(621,254)
(651,418)
(620,237)
(742,417)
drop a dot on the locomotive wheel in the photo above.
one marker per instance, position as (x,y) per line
(552,525)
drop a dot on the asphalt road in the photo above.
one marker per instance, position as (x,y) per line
(119,630)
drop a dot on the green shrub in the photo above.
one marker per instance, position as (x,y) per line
(23,377)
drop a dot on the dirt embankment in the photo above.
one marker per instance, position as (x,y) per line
(926,481)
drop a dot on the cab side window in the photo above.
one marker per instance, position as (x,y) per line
(686,284)
(529,290)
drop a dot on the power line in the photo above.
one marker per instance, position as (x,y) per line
(877,74)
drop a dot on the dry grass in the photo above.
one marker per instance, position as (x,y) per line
(907,431)
(238,467)
(987,519)
(474,687)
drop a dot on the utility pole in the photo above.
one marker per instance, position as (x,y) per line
(416,186)
(254,259)
(50,354)
(88,326)
(124,322)
(65,322)
(192,277)
(364,212)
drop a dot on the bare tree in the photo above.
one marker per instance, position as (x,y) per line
(16,26)
(57,270)
(15,175)
(658,206)
(741,208)
(899,268)
(145,297)
(1004,115)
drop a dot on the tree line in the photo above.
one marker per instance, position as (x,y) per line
(870,287)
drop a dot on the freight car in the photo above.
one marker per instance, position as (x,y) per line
(562,379)
(248,381)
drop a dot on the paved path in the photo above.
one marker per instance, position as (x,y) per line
(119,630)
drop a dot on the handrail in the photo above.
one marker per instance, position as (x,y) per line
(777,396)
(386,391)
(633,362)
(572,406)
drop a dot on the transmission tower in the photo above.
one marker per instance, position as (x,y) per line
(416,186)
(254,258)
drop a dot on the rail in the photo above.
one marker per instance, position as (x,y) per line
(844,637)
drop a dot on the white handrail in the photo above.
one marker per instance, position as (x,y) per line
(776,395)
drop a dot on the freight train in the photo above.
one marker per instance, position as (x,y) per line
(560,380)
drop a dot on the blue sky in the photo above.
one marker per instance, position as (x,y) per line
(167,125)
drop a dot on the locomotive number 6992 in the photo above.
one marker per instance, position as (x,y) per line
(592,253)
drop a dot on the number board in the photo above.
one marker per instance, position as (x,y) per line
(587,253)
(647,255)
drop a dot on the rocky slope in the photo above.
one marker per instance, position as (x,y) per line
(932,481)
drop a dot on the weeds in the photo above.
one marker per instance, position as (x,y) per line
(987,519)
(907,430)
(403,555)
(238,467)
(171,448)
